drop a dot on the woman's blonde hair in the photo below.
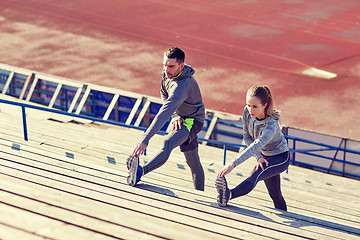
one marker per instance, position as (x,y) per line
(263,93)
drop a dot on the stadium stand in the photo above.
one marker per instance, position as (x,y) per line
(331,154)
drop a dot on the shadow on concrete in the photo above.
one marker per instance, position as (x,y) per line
(156,189)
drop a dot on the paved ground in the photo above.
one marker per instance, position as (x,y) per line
(231,44)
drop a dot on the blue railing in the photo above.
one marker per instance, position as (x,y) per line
(24,106)
(314,152)
(226,145)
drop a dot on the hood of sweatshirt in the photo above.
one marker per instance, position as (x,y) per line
(188,71)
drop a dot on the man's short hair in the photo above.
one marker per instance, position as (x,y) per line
(177,53)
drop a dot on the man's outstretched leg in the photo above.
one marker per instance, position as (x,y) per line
(193,160)
(172,140)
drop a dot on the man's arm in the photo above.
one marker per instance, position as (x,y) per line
(139,149)
(163,93)
(177,95)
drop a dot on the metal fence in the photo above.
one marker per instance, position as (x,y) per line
(321,152)
(315,155)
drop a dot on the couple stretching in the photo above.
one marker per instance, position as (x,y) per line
(182,101)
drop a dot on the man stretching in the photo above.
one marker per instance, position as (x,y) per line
(182,101)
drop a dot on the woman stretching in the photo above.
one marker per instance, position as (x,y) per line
(264,141)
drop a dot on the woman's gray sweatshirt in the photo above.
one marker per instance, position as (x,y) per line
(261,137)
(181,98)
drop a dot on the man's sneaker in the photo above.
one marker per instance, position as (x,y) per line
(135,170)
(223,191)
(129,160)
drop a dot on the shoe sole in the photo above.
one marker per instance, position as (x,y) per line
(132,164)
(220,185)
(128,161)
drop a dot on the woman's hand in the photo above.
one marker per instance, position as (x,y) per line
(260,163)
(226,169)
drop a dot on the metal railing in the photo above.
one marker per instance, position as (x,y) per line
(334,159)
(25,129)
(310,152)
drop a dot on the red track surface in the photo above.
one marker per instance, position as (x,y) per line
(231,44)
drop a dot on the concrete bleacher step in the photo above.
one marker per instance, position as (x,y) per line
(132,190)
(9,232)
(187,196)
(79,169)
(179,200)
(323,210)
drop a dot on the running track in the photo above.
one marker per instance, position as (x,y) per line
(231,44)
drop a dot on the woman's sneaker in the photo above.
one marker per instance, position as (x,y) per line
(135,170)
(223,191)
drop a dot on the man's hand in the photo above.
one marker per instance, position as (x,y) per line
(176,125)
(139,149)
(260,163)
(226,169)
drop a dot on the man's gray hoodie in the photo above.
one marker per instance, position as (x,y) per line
(181,98)
(261,137)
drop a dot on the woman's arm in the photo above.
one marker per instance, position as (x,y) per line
(247,120)
(254,149)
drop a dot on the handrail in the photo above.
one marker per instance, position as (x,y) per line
(322,145)
(25,105)
(224,144)
(351,172)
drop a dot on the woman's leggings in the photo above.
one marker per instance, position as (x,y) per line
(173,140)
(271,177)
